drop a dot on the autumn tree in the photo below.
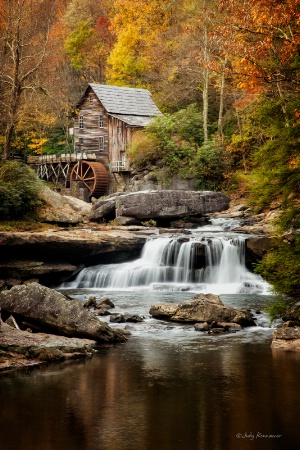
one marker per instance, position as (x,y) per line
(265,48)
(139,27)
(265,64)
(25,34)
(197,68)
(88,38)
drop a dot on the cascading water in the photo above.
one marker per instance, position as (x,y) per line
(202,262)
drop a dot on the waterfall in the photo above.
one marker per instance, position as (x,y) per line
(173,263)
(225,261)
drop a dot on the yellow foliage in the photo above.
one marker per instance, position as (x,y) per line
(138,25)
(126,62)
(37,144)
(35,119)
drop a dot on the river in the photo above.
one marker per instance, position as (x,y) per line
(168,387)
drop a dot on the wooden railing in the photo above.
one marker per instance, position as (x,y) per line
(57,158)
(118,166)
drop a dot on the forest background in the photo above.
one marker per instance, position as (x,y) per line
(224,73)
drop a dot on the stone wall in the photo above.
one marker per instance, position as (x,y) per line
(146,180)
(76,191)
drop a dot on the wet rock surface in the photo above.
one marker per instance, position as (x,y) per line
(202,308)
(218,327)
(121,318)
(20,349)
(250,222)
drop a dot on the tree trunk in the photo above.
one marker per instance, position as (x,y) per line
(221,106)
(205,80)
(11,122)
(205,104)
(7,139)
(241,134)
(283,104)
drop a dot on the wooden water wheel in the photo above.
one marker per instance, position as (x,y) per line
(92,175)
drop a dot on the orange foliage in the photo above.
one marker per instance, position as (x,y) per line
(262,39)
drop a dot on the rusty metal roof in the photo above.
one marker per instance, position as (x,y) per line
(126,101)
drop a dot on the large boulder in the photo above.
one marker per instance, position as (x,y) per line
(286,338)
(51,311)
(165,204)
(260,245)
(201,308)
(103,208)
(168,204)
(57,208)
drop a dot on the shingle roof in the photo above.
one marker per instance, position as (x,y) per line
(126,101)
(134,121)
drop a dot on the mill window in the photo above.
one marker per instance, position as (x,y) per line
(81,122)
(101,122)
(91,100)
(101,143)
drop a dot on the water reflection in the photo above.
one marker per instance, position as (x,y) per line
(156,396)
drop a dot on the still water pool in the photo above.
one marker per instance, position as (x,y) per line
(167,388)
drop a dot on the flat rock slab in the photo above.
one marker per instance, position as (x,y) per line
(35,268)
(69,246)
(201,308)
(21,348)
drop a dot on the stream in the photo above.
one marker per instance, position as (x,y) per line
(168,387)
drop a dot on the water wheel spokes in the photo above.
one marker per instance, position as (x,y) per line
(92,175)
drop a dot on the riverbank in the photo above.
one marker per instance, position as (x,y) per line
(20,349)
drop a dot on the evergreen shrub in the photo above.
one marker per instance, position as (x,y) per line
(19,190)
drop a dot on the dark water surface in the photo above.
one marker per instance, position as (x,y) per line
(167,388)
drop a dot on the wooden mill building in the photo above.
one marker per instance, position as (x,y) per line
(107,118)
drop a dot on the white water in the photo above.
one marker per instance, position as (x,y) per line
(203,262)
